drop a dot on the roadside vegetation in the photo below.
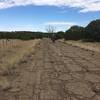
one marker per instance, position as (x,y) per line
(13,52)
(92,46)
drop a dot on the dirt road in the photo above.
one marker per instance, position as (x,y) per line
(55,71)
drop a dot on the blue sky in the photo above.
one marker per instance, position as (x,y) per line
(36,15)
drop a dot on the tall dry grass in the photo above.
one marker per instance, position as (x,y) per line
(92,46)
(12,52)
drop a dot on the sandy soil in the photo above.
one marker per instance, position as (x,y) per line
(55,71)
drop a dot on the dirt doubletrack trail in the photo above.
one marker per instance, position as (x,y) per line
(55,71)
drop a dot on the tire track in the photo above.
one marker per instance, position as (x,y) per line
(54,72)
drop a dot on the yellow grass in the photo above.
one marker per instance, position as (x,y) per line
(12,52)
(93,46)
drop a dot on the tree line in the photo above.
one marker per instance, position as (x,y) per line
(89,33)
(23,35)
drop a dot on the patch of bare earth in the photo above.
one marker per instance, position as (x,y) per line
(55,71)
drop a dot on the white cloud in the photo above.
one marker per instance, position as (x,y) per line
(59,26)
(84,5)
(17,28)
(60,23)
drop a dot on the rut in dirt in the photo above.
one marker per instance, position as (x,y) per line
(55,71)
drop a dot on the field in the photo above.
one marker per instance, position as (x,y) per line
(12,52)
(43,70)
(92,46)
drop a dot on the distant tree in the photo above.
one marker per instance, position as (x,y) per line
(93,30)
(60,35)
(75,33)
(50,29)
(51,32)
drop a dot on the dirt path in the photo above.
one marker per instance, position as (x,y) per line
(55,72)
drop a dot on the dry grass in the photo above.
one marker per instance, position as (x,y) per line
(93,46)
(12,52)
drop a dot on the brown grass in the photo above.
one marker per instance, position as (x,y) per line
(93,46)
(12,52)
